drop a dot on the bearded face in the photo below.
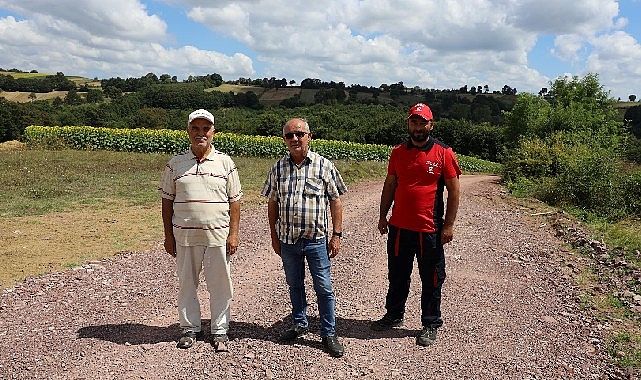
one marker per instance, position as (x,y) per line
(419,129)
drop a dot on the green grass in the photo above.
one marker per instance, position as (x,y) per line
(625,234)
(62,208)
(625,349)
(38,182)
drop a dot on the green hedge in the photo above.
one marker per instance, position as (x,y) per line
(173,141)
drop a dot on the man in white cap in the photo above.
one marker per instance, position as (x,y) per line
(200,191)
(418,172)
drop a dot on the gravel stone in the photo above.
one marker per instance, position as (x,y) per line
(509,306)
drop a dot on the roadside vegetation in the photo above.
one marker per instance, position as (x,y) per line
(572,152)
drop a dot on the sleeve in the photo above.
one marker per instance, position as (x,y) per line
(391,165)
(234,189)
(335,184)
(452,168)
(269,187)
(167,186)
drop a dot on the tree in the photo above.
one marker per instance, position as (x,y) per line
(112,92)
(581,104)
(150,118)
(73,98)
(95,96)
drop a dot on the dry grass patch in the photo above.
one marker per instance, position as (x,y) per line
(23,96)
(11,146)
(35,245)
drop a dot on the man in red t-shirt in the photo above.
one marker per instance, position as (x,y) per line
(418,172)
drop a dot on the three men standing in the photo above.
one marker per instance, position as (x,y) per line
(201,190)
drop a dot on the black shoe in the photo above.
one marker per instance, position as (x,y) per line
(426,337)
(293,333)
(333,346)
(386,323)
(188,339)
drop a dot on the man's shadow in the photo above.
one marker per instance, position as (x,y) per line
(138,334)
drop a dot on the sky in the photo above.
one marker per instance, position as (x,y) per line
(435,44)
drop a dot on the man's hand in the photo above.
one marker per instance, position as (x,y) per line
(382,225)
(447,234)
(170,245)
(233,241)
(334,246)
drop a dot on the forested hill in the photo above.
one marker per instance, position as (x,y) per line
(471,118)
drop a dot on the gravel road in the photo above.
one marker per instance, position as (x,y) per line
(509,306)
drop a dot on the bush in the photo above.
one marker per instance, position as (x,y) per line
(630,185)
(574,170)
(589,180)
(533,158)
(633,149)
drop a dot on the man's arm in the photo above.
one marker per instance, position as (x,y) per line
(167,215)
(233,239)
(387,198)
(453,198)
(336,210)
(272,217)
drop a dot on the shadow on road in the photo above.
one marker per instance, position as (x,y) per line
(137,334)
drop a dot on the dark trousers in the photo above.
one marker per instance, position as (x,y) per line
(402,246)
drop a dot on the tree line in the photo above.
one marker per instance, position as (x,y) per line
(569,146)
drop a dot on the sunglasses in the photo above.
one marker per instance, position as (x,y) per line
(290,135)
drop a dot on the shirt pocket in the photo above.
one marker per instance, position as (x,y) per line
(314,187)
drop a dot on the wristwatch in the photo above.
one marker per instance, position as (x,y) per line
(339,234)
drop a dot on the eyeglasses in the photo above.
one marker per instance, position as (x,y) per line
(300,135)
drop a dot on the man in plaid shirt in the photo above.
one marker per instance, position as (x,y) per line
(299,188)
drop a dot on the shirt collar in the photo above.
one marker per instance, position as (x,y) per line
(306,161)
(426,147)
(193,156)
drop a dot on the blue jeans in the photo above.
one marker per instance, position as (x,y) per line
(293,256)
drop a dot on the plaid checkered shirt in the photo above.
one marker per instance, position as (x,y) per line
(303,195)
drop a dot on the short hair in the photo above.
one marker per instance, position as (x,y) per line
(306,124)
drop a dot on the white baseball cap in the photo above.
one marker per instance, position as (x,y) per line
(200,114)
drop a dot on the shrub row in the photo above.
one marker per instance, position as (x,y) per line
(173,141)
(576,170)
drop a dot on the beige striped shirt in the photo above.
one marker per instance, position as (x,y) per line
(201,193)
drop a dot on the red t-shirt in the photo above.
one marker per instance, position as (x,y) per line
(420,174)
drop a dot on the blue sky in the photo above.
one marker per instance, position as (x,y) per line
(437,44)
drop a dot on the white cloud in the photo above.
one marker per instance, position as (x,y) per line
(568,47)
(565,17)
(117,18)
(117,38)
(616,58)
(431,43)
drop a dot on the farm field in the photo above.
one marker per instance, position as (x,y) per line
(64,208)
